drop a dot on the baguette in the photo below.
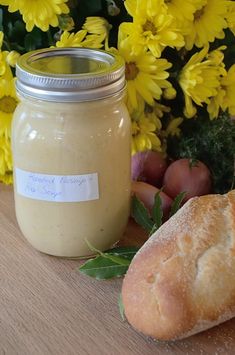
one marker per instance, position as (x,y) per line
(182,281)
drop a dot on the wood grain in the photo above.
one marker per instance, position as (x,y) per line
(47,307)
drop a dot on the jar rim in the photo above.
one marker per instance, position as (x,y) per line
(70,74)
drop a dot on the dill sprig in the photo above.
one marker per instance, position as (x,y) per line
(212,142)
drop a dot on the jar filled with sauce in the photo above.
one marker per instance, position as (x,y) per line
(71,148)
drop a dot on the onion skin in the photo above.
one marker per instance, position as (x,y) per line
(154,168)
(146,193)
(181,176)
(137,164)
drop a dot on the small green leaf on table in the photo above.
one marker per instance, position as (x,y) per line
(125,252)
(112,263)
(115,262)
(103,268)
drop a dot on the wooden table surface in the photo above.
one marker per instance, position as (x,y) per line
(47,307)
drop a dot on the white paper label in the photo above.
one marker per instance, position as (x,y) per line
(57,188)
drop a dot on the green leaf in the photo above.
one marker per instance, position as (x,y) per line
(114,258)
(90,7)
(121,306)
(154,229)
(103,268)
(16,31)
(125,252)
(33,40)
(94,5)
(112,263)
(29,42)
(141,214)
(177,203)
(157,212)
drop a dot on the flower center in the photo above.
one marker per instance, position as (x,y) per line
(7,104)
(168,1)
(198,14)
(131,71)
(150,27)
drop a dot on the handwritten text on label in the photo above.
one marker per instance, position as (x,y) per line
(57,188)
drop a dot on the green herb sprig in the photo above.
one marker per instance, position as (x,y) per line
(213,143)
(112,263)
(115,262)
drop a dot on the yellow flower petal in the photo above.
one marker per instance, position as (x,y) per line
(152,27)
(145,75)
(40,13)
(200,78)
(209,22)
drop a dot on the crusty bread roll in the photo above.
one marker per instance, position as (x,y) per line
(182,281)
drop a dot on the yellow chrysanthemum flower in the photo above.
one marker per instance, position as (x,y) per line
(173,127)
(7,60)
(228,85)
(144,135)
(80,39)
(231,17)
(8,103)
(146,76)
(135,111)
(2,63)
(71,39)
(5,70)
(12,58)
(1,39)
(208,23)
(169,93)
(200,79)
(40,13)
(93,41)
(153,118)
(152,27)
(216,102)
(183,10)
(98,26)
(3,55)
(160,109)
(5,160)
(153,113)
(2,59)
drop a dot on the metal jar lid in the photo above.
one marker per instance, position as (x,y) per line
(69,74)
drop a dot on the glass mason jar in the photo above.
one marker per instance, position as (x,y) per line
(71,150)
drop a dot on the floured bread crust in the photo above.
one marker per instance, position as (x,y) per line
(182,281)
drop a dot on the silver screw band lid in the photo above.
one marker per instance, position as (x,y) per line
(69,74)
